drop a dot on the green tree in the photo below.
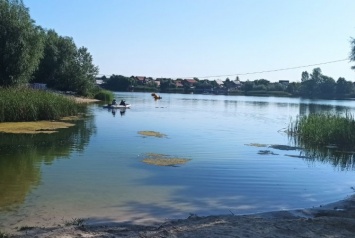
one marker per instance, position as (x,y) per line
(118,83)
(261,82)
(293,88)
(326,87)
(343,87)
(247,86)
(83,81)
(21,43)
(305,76)
(64,67)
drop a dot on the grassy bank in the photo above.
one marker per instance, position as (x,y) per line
(324,129)
(24,104)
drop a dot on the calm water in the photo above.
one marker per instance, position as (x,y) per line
(95,170)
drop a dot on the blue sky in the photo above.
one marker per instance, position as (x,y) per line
(203,38)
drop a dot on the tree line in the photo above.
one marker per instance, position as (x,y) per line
(31,54)
(311,85)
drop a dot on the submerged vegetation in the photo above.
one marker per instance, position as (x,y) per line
(324,130)
(47,127)
(151,133)
(163,160)
(24,104)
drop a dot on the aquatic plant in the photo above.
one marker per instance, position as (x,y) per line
(104,95)
(47,127)
(257,145)
(25,104)
(163,160)
(151,133)
(326,138)
(324,129)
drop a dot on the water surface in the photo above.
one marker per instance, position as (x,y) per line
(95,170)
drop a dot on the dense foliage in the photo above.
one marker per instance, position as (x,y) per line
(31,54)
(64,67)
(24,104)
(21,43)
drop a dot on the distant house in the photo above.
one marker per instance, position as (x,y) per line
(219,83)
(178,84)
(190,82)
(99,81)
(140,80)
(237,83)
(157,83)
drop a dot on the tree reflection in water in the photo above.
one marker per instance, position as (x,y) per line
(22,154)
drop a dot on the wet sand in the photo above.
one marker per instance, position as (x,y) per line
(332,220)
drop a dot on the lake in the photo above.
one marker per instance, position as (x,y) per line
(240,161)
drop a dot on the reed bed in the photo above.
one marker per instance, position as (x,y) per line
(104,95)
(324,129)
(24,104)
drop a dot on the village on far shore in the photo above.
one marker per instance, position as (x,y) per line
(311,85)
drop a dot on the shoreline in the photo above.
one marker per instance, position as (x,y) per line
(331,220)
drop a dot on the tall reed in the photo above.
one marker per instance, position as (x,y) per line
(324,129)
(104,95)
(24,104)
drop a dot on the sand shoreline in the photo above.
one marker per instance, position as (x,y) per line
(332,220)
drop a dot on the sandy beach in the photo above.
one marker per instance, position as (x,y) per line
(331,220)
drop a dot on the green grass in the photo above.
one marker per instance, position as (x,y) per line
(24,104)
(104,95)
(324,129)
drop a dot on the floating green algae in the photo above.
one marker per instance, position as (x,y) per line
(257,145)
(163,160)
(151,133)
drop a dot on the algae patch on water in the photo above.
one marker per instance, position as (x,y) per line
(257,145)
(151,133)
(33,127)
(163,160)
